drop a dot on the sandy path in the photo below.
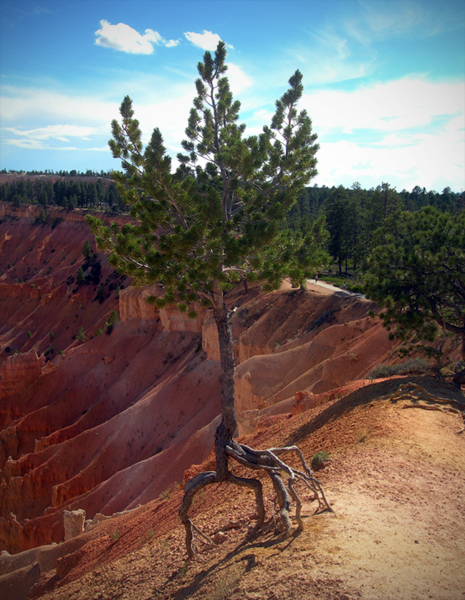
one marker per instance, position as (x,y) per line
(398,532)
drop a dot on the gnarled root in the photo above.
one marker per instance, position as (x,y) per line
(416,393)
(271,463)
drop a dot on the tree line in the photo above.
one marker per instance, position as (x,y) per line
(358,220)
(61,173)
(355,218)
(100,194)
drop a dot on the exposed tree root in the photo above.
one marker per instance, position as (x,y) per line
(413,391)
(276,469)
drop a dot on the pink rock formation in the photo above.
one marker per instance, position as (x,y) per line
(18,371)
(113,422)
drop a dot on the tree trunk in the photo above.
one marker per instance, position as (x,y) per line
(228,425)
(226,447)
(459,378)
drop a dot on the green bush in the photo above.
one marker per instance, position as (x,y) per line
(80,277)
(81,336)
(413,365)
(113,319)
(319,459)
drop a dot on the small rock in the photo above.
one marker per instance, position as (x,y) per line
(231,525)
(219,538)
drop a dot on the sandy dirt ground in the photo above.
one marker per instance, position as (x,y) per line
(396,481)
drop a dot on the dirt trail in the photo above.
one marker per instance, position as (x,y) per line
(397,485)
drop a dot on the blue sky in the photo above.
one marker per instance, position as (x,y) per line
(384,80)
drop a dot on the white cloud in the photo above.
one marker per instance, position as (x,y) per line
(406,132)
(58,132)
(124,38)
(206,40)
(329,58)
(386,19)
(32,104)
(238,80)
(385,107)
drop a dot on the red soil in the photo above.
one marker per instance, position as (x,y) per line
(113,422)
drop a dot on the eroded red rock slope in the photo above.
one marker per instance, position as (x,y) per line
(112,422)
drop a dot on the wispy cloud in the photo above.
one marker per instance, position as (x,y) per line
(124,38)
(58,132)
(397,105)
(31,104)
(403,131)
(328,57)
(206,40)
(385,19)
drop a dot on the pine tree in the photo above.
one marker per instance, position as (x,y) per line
(87,251)
(338,221)
(80,277)
(213,222)
(418,276)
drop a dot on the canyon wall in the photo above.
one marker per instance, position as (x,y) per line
(112,420)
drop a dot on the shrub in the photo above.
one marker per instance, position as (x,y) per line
(113,319)
(87,251)
(413,365)
(80,277)
(100,294)
(81,336)
(319,459)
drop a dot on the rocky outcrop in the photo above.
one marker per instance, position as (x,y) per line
(133,303)
(19,371)
(73,521)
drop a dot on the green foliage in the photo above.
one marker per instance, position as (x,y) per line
(113,318)
(80,277)
(52,335)
(112,321)
(418,275)
(81,336)
(87,251)
(100,294)
(319,459)
(413,365)
(98,332)
(338,214)
(218,218)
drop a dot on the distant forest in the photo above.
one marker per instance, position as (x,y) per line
(357,219)
(69,190)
